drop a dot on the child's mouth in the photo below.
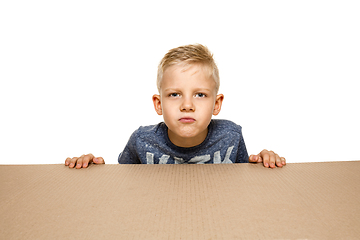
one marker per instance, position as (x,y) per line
(187,120)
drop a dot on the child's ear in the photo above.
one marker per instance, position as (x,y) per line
(218,104)
(157,104)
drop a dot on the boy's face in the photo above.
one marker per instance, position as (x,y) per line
(187,102)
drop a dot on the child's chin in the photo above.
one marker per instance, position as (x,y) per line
(191,134)
(188,131)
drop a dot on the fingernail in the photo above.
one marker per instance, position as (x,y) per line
(266,165)
(96,160)
(272,165)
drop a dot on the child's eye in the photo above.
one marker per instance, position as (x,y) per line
(200,95)
(174,95)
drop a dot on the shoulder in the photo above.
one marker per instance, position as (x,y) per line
(149,132)
(151,129)
(225,126)
(229,134)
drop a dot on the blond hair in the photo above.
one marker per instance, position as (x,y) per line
(188,55)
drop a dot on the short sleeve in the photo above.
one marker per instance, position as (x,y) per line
(129,154)
(242,154)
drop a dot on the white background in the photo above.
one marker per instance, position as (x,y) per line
(78,76)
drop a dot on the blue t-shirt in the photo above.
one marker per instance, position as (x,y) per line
(151,145)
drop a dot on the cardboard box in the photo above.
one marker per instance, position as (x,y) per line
(218,201)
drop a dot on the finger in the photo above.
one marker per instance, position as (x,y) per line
(272,159)
(283,161)
(67,161)
(86,160)
(72,162)
(253,158)
(278,161)
(265,157)
(269,158)
(79,162)
(99,160)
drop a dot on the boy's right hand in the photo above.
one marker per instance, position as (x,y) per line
(83,161)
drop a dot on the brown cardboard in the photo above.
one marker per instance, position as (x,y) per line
(225,201)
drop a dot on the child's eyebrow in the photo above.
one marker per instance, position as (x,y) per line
(202,89)
(172,89)
(194,90)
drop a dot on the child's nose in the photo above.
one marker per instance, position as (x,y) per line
(187,105)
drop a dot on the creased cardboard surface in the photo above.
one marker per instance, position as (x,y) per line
(225,201)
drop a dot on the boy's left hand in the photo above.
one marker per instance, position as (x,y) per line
(268,158)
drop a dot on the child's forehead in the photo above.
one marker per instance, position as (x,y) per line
(194,78)
(190,69)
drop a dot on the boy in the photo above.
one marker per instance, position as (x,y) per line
(188,84)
